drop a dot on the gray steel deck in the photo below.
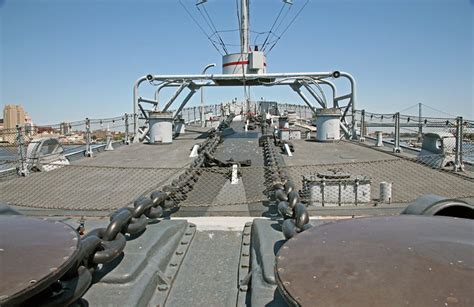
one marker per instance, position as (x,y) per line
(152,271)
(95,186)
(409,178)
(106,181)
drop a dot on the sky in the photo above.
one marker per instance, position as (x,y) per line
(64,60)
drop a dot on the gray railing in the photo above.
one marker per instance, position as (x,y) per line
(83,138)
(78,138)
(409,131)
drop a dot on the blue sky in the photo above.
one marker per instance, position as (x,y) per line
(71,59)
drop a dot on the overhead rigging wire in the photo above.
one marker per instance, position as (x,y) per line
(288,25)
(273,25)
(211,25)
(200,27)
(255,41)
(284,17)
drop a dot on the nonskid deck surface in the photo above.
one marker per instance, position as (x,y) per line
(107,181)
(116,178)
(409,178)
(174,155)
(195,258)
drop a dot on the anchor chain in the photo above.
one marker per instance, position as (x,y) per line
(283,191)
(103,245)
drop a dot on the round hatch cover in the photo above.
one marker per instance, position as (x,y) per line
(33,254)
(380,261)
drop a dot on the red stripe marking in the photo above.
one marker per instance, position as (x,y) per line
(238,63)
(235,63)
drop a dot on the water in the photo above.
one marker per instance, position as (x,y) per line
(469,149)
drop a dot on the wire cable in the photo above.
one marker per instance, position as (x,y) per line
(273,25)
(215,29)
(284,17)
(211,28)
(200,27)
(289,25)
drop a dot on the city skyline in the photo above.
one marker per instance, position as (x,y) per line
(84,56)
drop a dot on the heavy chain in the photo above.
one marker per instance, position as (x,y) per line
(103,245)
(283,191)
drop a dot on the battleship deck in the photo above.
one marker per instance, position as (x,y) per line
(110,180)
(213,242)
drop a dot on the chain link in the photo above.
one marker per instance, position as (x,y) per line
(103,245)
(290,207)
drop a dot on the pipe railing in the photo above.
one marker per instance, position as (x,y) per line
(196,82)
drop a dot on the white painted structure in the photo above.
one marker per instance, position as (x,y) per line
(328,124)
(161,127)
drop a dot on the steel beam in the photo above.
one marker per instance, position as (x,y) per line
(343,97)
(334,90)
(135,108)
(353,100)
(153,102)
(313,93)
(297,88)
(185,101)
(247,77)
(175,95)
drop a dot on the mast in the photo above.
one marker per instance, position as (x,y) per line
(245,61)
(244,26)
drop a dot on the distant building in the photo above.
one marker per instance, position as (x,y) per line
(13,115)
(45,130)
(1,123)
(65,128)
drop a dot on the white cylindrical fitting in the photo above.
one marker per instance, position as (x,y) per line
(328,125)
(161,127)
(254,62)
(385,192)
(379,138)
